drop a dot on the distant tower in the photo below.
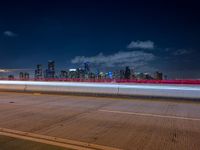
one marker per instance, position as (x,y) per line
(121,74)
(38,72)
(132,73)
(86,67)
(11,77)
(127,73)
(26,76)
(50,72)
(158,75)
(63,74)
(51,65)
(21,75)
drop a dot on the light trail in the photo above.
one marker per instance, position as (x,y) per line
(161,90)
(114,85)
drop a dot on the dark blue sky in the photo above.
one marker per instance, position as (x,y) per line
(148,35)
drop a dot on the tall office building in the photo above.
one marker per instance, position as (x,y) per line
(127,73)
(158,75)
(122,74)
(80,73)
(73,73)
(63,74)
(21,75)
(24,76)
(86,68)
(38,72)
(133,73)
(11,77)
(50,71)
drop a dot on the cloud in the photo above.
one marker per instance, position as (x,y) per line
(141,45)
(119,59)
(181,52)
(9,33)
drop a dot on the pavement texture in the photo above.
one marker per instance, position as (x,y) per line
(9,143)
(103,123)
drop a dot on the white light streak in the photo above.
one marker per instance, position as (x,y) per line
(163,90)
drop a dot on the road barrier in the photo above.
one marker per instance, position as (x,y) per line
(117,89)
(178,81)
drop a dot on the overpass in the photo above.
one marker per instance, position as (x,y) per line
(31,116)
(97,123)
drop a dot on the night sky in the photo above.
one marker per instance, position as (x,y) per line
(146,35)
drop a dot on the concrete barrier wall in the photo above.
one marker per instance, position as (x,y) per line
(156,90)
(73,88)
(175,91)
(11,86)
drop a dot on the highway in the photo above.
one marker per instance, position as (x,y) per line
(83,122)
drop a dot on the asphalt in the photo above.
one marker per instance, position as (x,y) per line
(102,122)
(9,143)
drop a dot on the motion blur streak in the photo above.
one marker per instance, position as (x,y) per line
(138,86)
(161,90)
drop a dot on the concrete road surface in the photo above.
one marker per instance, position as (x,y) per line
(9,143)
(101,123)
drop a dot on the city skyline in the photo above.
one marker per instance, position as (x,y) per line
(148,36)
(83,72)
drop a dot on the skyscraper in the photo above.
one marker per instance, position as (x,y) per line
(127,73)
(122,74)
(158,75)
(50,71)
(24,76)
(21,75)
(63,74)
(86,67)
(38,72)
